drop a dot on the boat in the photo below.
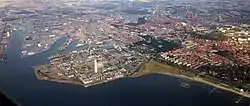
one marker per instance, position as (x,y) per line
(185,85)
(31,53)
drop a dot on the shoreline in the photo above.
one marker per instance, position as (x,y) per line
(13,100)
(148,72)
(153,67)
(199,80)
(78,83)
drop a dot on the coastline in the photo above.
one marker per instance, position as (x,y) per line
(153,67)
(70,82)
(10,98)
(164,70)
(199,80)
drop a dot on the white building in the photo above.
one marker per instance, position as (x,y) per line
(96,69)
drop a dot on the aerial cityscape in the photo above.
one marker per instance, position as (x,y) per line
(206,41)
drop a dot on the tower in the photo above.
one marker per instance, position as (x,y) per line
(196,20)
(95,62)
(188,27)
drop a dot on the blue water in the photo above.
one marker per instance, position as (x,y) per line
(18,80)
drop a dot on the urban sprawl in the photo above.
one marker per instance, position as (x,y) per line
(114,39)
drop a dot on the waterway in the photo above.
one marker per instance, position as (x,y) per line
(18,81)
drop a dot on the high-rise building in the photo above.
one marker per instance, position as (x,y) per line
(95,62)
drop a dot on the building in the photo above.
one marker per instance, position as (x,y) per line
(96,69)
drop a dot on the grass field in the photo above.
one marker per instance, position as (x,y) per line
(154,67)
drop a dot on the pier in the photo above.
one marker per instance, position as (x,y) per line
(212,90)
